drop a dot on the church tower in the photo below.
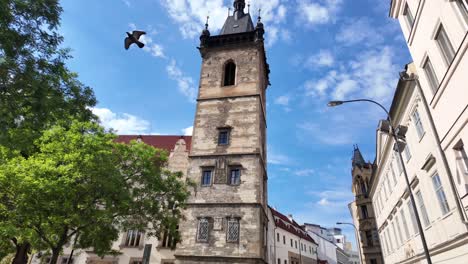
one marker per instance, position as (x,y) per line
(362,210)
(225,219)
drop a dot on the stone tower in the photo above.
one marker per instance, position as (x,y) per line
(225,219)
(362,210)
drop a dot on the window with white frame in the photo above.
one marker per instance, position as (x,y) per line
(390,239)
(133,238)
(398,226)
(445,46)
(392,172)
(395,235)
(233,230)
(439,189)
(422,208)
(462,164)
(408,16)
(404,223)
(413,217)
(431,75)
(399,166)
(407,152)
(465,5)
(418,124)
(203,231)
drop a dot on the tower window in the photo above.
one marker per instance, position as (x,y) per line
(203,231)
(223,136)
(206,177)
(229,74)
(445,45)
(364,212)
(234,178)
(233,230)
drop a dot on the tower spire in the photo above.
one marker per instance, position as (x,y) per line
(239,6)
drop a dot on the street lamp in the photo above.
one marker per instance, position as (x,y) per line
(396,134)
(357,239)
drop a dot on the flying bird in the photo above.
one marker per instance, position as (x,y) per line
(134,38)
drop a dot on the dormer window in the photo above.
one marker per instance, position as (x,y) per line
(229,74)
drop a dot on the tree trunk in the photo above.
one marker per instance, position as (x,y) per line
(54,257)
(22,253)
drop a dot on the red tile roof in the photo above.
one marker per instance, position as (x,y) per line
(291,226)
(161,142)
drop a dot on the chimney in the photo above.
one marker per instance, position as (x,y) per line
(290,216)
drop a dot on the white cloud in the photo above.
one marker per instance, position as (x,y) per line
(372,74)
(318,13)
(277,158)
(323,58)
(185,83)
(122,123)
(338,197)
(361,31)
(188,131)
(191,15)
(304,172)
(283,100)
(154,49)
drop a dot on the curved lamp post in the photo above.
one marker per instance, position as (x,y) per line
(357,239)
(394,133)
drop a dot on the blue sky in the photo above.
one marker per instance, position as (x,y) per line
(318,50)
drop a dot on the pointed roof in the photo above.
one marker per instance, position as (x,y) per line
(358,159)
(239,22)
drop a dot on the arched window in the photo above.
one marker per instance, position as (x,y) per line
(229,74)
(363,188)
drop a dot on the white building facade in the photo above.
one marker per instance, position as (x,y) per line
(288,242)
(432,101)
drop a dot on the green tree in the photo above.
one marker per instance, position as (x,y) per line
(79,181)
(36,89)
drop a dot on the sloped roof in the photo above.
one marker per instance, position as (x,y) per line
(240,25)
(292,227)
(162,142)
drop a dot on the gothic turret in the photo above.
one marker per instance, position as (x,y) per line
(358,159)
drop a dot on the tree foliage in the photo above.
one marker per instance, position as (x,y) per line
(79,181)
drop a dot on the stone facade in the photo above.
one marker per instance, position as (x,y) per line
(362,211)
(240,110)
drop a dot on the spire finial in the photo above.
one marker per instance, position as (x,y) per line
(259,14)
(248,7)
(229,11)
(207,20)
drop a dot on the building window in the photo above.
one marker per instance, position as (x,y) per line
(408,16)
(364,212)
(234,178)
(285,261)
(398,226)
(229,74)
(206,177)
(373,261)
(223,136)
(292,243)
(277,237)
(422,208)
(431,75)
(133,238)
(65,260)
(462,164)
(418,124)
(445,45)
(284,240)
(407,152)
(203,231)
(413,217)
(405,224)
(465,5)
(370,242)
(233,230)
(279,261)
(295,243)
(399,166)
(168,241)
(440,194)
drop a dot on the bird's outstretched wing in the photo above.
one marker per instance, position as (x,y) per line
(140,45)
(128,42)
(137,34)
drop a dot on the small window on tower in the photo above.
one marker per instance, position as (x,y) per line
(223,136)
(229,74)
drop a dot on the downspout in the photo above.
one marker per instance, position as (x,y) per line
(453,186)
